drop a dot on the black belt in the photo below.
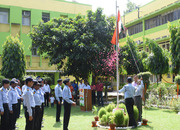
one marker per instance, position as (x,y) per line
(138,96)
(31,107)
(5,103)
(37,106)
(128,98)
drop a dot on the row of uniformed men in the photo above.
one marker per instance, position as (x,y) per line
(10,102)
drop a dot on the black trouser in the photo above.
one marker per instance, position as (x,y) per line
(52,104)
(5,118)
(75,96)
(42,112)
(129,106)
(13,116)
(99,95)
(67,112)
(19,108)
(37,119)
(29,124)
(46,97)
(93,97)
(58,109)
(138,103)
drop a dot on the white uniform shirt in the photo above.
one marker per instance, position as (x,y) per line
(24,88)
(139,89)
(37,97)
(52,99)
(67,94)
(86,87)
(13,97)
(28,99)
(81,86)
(3,98)
(46,88)
(42,94)
(58,92)
(19,92)
(128,91)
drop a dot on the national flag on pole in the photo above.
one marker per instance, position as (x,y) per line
(120,27)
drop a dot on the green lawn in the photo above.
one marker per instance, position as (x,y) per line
(158,120)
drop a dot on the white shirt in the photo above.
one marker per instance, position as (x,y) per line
(86,87)
(58,92)
(81,86)
(67,94)
(42,94)
(139,89)
(13,97)
(3,98)
(52,99)
(28,99)
(19,92)
(128,91)
(46,88)
(37,97)
(23,88)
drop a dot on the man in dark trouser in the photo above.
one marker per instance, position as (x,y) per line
(67,103)
(99,88)
(129,92)
(13,116)
(29,123)
(4,107)
(58,95)
(37,121)
(47,91)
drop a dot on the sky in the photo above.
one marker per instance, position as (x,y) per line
(109,6)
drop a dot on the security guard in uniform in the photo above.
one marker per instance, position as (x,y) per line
(58,95)
(38,103)
(129,92)
(29,104)
(67,103)
(4,105)
(13,102)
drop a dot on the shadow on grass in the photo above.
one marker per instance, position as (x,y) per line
(145,127)
(168,111)
(57,125)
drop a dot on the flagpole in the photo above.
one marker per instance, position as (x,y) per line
(117,58)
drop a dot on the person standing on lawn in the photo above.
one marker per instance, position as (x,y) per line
(129,92)
(38,102)
(93,88)
(75,86)
(47,91)
(4,105)
(19,98)
(29,104)
(52,99)
(67,103)
(99,87)
(138,97)
(58,95)
(13,102)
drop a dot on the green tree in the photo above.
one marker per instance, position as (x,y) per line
(130,7)
(13,58)
(157,61)
(73,43)
(127,60)
(175,46)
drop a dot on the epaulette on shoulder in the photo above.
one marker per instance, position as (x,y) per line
(1,89)
(33,92)
(27,89)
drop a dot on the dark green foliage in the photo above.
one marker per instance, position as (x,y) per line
(13,58)
(145,76)
(177,79)
(48,79)
(102,112)
(123,107)
(1,78)
(126,57)
(175,46)
(157,61)
(119,118)
(109,114)
(73,44)
(136,113)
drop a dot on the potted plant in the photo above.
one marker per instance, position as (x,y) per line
(94,124)
(95,112)
(144,122)
(111,123)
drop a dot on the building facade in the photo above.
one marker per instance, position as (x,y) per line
(19,17)
(150,21)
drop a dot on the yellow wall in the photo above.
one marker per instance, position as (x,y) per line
(147,9)
(51,5)
(4,27)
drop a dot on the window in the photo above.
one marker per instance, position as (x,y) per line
(45,17)
(135,29)
(167,47)
(4,16)
(164,46)
(162,19)
(26,18)
(34,50)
